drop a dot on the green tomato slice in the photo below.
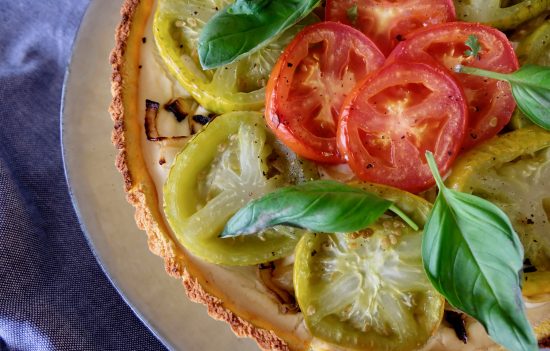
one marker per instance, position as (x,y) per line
(239,86)
(368,290)
(513,172)
(491,13)
(534,47)
(233,161)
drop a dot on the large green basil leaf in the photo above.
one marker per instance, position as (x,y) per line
(321,206)
(246,26)
(473,257)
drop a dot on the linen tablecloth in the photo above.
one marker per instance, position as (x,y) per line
(53,294)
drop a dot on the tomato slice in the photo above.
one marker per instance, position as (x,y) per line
(232,161)
(387,22)
(513,172)
(490,102)
(498,13)
(534,41)
(367,290)
(397,114)
(238,86)
(309,83)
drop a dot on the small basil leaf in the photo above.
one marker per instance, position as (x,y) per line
(353,13)
(530,87)
(321,206)
(473,257)
(473,43)
(246,26)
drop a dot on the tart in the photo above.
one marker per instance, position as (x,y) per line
(240,296)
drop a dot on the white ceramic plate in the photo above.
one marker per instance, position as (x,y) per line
(105,216)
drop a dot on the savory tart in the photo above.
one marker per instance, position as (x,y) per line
(186,180)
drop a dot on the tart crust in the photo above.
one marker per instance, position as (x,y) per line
(141,192)
(138,185)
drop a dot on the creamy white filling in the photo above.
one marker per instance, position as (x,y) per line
(241,285)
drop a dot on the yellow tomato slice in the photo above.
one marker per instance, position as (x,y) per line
(368,290)
(513,172)
(235,87)
(490,11)
(535,47)
(231,162)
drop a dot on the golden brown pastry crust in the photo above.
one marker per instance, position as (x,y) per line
(138,185)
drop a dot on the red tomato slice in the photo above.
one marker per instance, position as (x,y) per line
(490,102)
(387,22)
(397,114)
(310,81)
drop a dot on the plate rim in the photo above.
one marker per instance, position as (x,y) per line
(74,201)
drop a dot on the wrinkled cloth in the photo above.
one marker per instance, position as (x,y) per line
(50,297)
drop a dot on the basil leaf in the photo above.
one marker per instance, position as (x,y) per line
(530,87)
(246,26)
(473,257)
(321,206)
(473,43)
(353,13)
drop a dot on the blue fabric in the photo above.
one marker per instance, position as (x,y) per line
(53,294)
